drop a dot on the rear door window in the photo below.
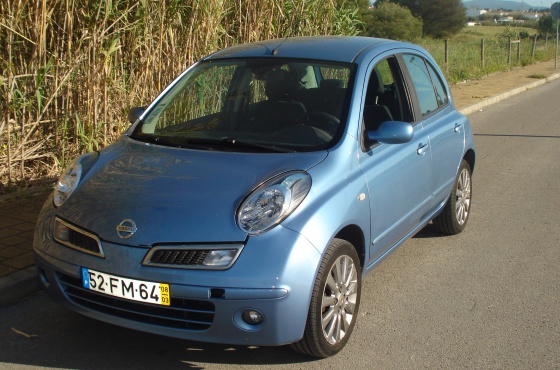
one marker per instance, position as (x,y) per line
(422,83)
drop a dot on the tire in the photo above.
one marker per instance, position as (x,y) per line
(335,301)
(455,214)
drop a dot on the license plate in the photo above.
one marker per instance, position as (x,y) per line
(134,290)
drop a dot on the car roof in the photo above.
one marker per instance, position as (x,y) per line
(332,48)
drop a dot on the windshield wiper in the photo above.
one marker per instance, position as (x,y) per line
(175,141)
(249,144)
(152,139)
(208,144)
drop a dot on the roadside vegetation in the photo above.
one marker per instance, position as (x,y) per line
(71,69)
(464,52)
(465,56)
(440,18)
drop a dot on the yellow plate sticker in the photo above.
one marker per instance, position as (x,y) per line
(164,294)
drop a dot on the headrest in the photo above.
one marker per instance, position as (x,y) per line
(375,87)
(281,85)
(376,83)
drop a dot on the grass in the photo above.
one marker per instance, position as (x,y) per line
(465,56)
(537,76)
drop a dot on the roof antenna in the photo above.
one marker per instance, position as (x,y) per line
(275,51)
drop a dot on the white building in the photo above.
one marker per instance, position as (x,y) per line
(475,12)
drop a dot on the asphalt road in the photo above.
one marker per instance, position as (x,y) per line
(486,299)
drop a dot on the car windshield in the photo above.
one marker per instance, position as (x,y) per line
(267,104)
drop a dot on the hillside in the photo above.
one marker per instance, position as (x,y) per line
(499,4)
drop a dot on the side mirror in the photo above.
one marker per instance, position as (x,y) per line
(134,113)
(392,132)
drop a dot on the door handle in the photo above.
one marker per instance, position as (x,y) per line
(422,149)
(458,127)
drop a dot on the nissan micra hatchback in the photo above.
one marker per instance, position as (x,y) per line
(246,204)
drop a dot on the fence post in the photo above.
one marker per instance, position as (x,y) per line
(556,52)
(447,55)
(482,52)
(534,47)
(518,51)
(509,51)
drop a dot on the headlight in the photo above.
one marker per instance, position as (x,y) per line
(272,202)
(70,178)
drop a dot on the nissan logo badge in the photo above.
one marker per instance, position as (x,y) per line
(126,229)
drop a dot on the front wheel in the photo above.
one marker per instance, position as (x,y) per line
(453,219)
(334,302)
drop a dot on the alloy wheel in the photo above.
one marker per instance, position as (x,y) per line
(339,299)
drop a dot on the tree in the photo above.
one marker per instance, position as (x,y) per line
(546,25)
(441,18)
(392,21)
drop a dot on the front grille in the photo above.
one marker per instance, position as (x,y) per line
(178,257)
(83,241)
(186,314)
(192,256)
(76,238)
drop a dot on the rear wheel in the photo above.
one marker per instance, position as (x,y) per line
(453,219)
(334,303)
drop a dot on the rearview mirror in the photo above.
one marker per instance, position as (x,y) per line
(392,132)
(134,113)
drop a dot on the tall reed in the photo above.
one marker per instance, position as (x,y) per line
(71,69)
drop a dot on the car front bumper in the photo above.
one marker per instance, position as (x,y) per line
(274,275)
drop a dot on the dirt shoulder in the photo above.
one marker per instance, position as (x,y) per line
(472,92)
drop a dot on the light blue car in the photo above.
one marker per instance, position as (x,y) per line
(246,204)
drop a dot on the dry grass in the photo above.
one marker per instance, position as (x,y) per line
(71,69)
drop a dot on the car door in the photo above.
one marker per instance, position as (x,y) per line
(440,121)
(397,175)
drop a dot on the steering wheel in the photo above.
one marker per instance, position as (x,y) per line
(321,120)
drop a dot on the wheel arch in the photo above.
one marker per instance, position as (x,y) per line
(470,158)
(353,234)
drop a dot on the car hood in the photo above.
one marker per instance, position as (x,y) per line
(173,195)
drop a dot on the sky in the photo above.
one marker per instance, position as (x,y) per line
(546,3)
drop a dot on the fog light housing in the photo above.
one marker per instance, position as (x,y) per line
(43,277)
(252,317)
(61,232)
(220,258)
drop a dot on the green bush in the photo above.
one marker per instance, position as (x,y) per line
(392,21)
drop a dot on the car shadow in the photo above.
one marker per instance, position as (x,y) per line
(40,333)
(429,231)
(525,136)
